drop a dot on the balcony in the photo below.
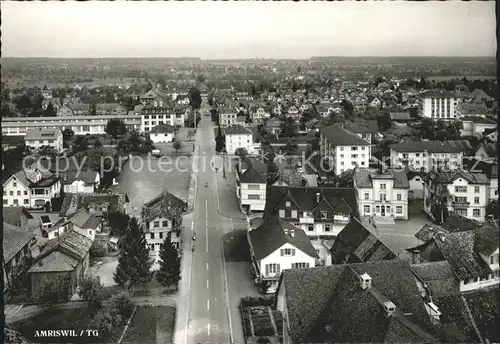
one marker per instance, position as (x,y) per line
(457,204)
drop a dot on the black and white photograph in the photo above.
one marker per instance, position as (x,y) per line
(250,172)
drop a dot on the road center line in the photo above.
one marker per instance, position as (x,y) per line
(207,284)
(206,223)
(208,304)
(208,329)
(207,266)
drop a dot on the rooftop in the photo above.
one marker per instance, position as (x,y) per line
(342,137)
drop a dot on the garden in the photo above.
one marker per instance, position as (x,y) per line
(261,322)
(151,325)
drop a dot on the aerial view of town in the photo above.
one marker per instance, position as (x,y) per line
(250,172)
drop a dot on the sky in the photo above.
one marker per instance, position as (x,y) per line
(232,30)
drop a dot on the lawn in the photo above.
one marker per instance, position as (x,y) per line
(61,319)
(236,248)
(151,325)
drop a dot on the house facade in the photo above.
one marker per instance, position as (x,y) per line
(476,126)
(238,136)
(439,105)
(467,193)
(227,117)
(276,246)
(37,138)
(81,182)
(158,113)
(162,133)
(251,187)
(342,149)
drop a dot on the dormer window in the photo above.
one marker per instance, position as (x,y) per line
(287,204)
(323,215)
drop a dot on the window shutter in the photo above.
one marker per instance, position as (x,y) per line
(267,269)
(293,252)
(282,252)
(277,269)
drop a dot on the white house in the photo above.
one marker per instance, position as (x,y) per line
(238,136)
(36,138)
(467,193)
(416,182)
(82,222)
(259,114)
(494,182)
(476,126)
(31,188)
(161,217)
(276,245)
(439,105)
(227,117)
(427,156)
(162,133)
(382,194)
(343,149)
(81,181)
(251,187)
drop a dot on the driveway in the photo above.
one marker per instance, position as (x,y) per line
(105,267)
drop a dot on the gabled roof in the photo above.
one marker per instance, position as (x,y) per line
(342,137)
(251,175)
(14,240)
(457,223)
(450,177)
(88,177)
(165,205)
(438,277)
(356,243)
(343,200)
(75,201)
(236,130)
(55,261)
(272,234)
(364,178)
(327,304)
(456,146)
(85,220)
(162,128)
(13,215)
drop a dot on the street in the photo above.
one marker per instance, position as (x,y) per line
(203,307)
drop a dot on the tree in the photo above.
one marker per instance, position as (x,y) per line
(52,290)
(384,121)
(118,222)
(348,107)
(289,129)
(50,111)
(93,109)
(241,152)
(80,144)
(169,273)
(291,146)
(91,290)
(177,145)
(68,134)
(134,262)
(121,304)
(106,321)
(21,280)
(115,128)
(23,103)
(493,209)
(219,141)
(190,134)
(194,98)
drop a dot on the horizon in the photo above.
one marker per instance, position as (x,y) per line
(247,30)
(242,58)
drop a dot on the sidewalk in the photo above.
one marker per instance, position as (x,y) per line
(193,182)
(227,201)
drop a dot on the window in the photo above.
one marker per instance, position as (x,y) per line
(382,186)
(341,148)
(156,224)
(476,189)
(341,155)
(19,193)
(398,197)
(164,223)
(5,202)
(476,212)
(300,265)
(354,156)
(287,252)
(383,197)
(253,197)
(11,193)
(328,227)
(323,214)
(399,209)
(287,204)
(310,227)
(366,209)
(363,148)
(272,269)
(253,186)
(161,235)
(460,188)
(354,148)
(476,200)
(342,163)
(461,212)
(25,193)
(460,199)
(152,235)
(367,195)
(26,201)
(281,213)
(14,184)
(85,128)
(294,214)
(16,202)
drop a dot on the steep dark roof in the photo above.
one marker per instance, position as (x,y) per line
(449,177)
(355,243)
(274,233)
(486,239)
(327,304)
(251,175)
(438,94)
(236,130)
(88,177)
(457,223)
(438,276)
(165,205)
(364,177)
(343,200)
(13,215)
(74,201)
(14,239)
(162,128)
(342,137)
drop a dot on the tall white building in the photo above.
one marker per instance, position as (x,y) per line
(343,149)
(439,105)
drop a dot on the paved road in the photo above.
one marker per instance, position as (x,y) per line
(203,313)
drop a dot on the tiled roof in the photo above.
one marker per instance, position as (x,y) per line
(88,177)
(480,94)
(450,177)
(343,200)
(162,128)
(13,215)
(85,220)
(236,130)
(432,146)
(55,261)
(165,205)
(251,175)
(356,243)
(341,137)
(14,239)
(271,235)
(74,201)
(438,277)
(438,94)
(457,223)
(477,120)
(327,304)
(364,177)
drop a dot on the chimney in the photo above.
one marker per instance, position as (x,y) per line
(365,281)
(415,257)
(292,233)
(318,197)
(390,309)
